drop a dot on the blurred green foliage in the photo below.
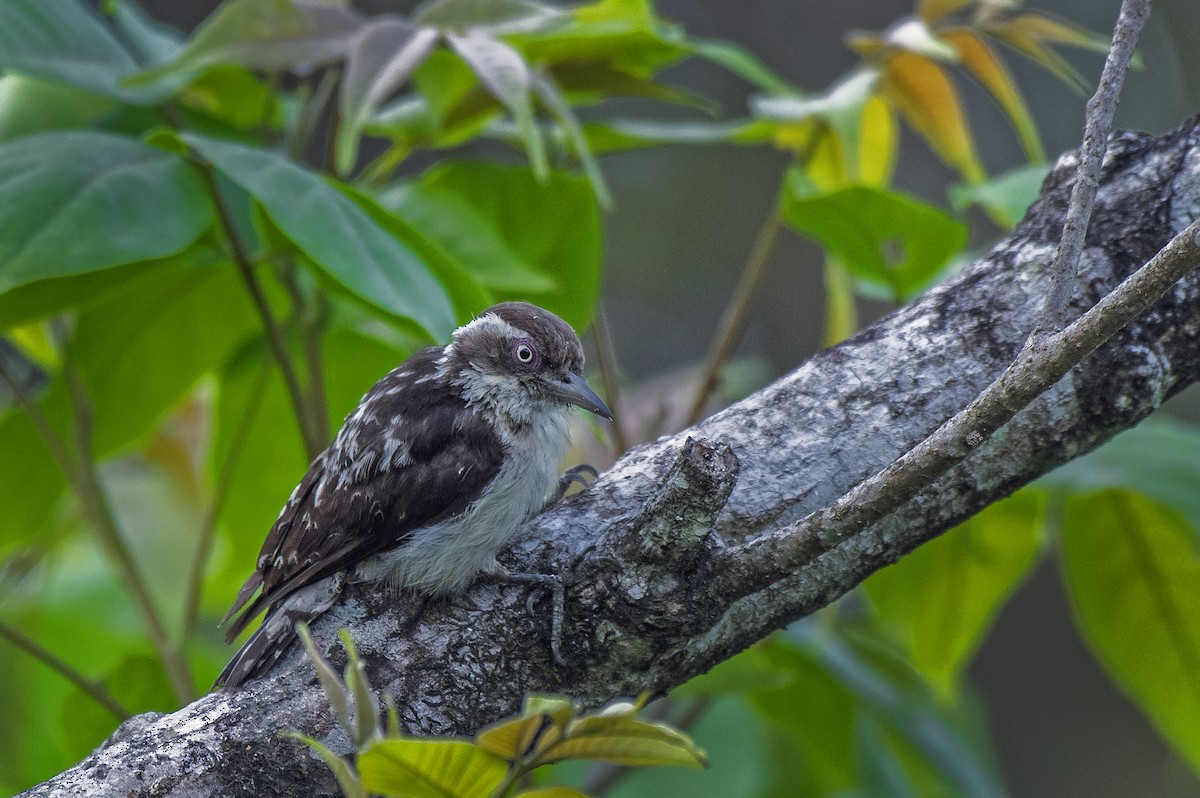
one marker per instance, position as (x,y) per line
(203,267)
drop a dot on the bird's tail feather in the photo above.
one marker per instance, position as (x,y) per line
(277,633)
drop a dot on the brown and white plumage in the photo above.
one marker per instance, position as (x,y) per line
(439,464)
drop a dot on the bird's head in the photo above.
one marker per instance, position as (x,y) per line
(520,360)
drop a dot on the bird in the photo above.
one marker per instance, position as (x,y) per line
(427,479)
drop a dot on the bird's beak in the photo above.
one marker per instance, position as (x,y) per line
(574,390)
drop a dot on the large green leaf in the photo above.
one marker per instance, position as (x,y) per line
(430,769)
(553,226)
(31,482)
(77,202)
(338,236)
(185,323)
(465,235)
(65,41)
(1132,572)
(1005,197)
(264,34)
(941,599)
(886,239)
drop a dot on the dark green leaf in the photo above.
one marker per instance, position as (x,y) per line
(941,599)
(65,41)
(1132,572)
(264,34)
(335,233)
(79,202)
(885,238)
(553,226)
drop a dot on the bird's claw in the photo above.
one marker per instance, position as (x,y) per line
(554,584)
(577,475)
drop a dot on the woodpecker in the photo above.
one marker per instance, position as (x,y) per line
(426,480)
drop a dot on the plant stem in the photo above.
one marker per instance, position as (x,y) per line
(607,362)
(312,441)
(191,604)
(94,690)
(733,322)
(83,479)
(309,313)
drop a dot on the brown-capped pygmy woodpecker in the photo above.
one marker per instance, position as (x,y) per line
(427,479)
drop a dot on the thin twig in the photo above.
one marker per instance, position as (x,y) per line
(312,441)
(85,482)
(309,314)
(1098,124)
(93,689)
(1039,366)
(733,322)
(606,360)
(191,604)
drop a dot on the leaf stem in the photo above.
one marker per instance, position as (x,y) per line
(93,689)
(733,322)
(82,477)
(606,360)
(191,604)
(312,441)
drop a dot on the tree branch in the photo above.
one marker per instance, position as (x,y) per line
(658,556)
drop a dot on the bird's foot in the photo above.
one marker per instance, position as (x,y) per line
(578,475)
(543,582)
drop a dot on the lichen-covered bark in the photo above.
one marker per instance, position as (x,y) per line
(646,607)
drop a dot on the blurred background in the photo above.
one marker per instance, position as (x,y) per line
(684,220)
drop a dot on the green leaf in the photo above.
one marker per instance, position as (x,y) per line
(31,482)
(875,682)
(551,96)
(742,63)
(149,41)
(79,202)
(1159,458)
(941,599)
(887,239)
(347,779)
(263,34)
(625,134)
(434,768)
(1005,197)
(65,41)
(335,233)
(506,75)
(553,226)
(624,33)
(366,703)
(1131,569)
(382,57)
(464,235)
(557,791)
(184,321)
(32,105)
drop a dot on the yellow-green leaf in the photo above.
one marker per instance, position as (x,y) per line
(876,143)
(982,62)
(929,101)
(347,779)
(510,738)
(434,768)
(1133,575)
(941,599)
(621,739)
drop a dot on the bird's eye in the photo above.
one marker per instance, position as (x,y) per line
(524,353)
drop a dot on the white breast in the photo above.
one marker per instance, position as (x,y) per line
(447,556)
